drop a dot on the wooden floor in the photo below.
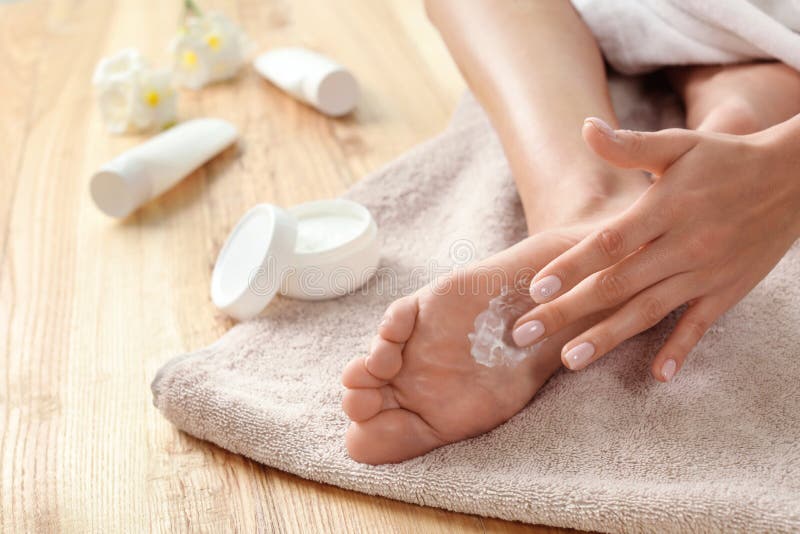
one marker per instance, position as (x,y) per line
(90,308)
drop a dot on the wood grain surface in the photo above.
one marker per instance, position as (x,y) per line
(90,307)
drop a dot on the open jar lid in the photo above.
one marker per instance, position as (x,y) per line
(312,251)
(249,268)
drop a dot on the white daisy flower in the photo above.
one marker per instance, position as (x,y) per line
(208,48)
(118,66)
(155,107)
(132,96)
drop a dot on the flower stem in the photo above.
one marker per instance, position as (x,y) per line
(191,9)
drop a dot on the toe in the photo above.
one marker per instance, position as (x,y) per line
(385,358)
(398,321)
(356,375)
(361,404)
(391,436)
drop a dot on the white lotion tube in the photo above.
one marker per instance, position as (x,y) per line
(145,171)
(311,78)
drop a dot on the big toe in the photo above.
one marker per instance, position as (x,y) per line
(389,437)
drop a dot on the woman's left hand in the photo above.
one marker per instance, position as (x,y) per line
(722,212)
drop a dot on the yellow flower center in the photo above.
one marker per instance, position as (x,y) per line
(189,59)
(214,41)
(152,98)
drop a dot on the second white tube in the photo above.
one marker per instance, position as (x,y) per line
(147,170)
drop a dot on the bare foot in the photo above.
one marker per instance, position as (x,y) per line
(419,388)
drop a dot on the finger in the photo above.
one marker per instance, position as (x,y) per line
(639,314)
(643,222)
(690,329)
(601,291)
(651,151)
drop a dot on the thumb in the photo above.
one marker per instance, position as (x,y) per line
(652,151)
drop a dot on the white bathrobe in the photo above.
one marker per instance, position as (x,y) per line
(643,35)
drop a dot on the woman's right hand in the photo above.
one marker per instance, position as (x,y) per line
(721,214)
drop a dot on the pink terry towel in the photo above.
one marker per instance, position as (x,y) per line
(607,449)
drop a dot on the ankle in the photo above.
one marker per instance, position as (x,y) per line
(581,194)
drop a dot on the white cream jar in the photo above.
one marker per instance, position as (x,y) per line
(313,251)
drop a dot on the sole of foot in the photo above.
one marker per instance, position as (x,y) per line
(420,388)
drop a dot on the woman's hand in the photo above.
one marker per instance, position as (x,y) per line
(722,212)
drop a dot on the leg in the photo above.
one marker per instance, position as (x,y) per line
(419,387)
(738,99)
(536,69)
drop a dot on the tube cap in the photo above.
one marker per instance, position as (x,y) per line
(334,92)
(310,77)
(253,261)
(120,187)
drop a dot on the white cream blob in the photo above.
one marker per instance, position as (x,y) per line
(319,232)
(491,342)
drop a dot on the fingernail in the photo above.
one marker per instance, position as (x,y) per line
(603,126)
(668,369)
(383,322)
(525,334)
(579,355)
(545,288)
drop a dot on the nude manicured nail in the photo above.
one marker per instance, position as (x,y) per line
(603,126)
(668,369)
(525,334)
(545,288)
(579,355)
